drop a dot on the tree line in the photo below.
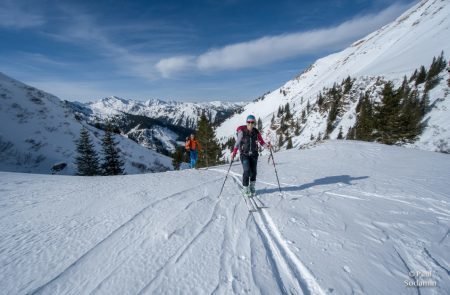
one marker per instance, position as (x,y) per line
(88,162)
(398,117)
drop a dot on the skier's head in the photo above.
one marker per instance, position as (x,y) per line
(251,121)
(192,136)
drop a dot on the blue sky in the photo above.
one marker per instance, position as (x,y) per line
(232,50)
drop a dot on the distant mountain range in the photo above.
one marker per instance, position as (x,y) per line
(155,124)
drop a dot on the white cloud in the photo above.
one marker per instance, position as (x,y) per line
(169,66)
(269,49)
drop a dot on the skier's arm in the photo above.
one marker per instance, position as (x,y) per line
(262,142)
(238,143)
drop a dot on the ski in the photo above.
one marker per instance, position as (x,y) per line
(250,206)
(258,204)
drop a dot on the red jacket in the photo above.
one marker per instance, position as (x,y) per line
(192,145)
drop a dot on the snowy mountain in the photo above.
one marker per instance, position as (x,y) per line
(155,124)
(38,130)
(389,54)
(378,224)
(184,114)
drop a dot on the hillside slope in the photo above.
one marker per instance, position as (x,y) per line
(387,54)
(38,130)
(354,218)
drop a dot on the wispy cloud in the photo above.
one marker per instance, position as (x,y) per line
(39,58)
(82,29)
(13,14)
(170,65)
(269,49)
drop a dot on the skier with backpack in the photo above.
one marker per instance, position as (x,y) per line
(246,143)
(192,147)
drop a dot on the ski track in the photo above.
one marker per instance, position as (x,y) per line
(150,287)
(291,274)
(72,273)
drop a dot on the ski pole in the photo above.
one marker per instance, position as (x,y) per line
(225,178)
(276,173)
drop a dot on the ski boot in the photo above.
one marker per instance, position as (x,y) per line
(246,192)
(252,188)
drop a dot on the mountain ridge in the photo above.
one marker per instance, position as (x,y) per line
(390,53)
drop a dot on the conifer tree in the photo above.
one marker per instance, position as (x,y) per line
(350,134)
(410,119)
(320,100)
(112,164)
(332,115)
(347,85)
(421,76)
(404,90)
(424,103)
(340,135)
(210,149)
(289,144)
(177,157)
(436,67)
(280,111)
(260,125)
(87,160)
(272,122)
(387,116)
(280,140)
(297,128)
(365,121)
(413,76)
(287,111)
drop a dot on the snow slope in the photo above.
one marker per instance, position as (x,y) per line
(389,53)
(354,217)
(38,130)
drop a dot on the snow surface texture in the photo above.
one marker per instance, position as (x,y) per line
(354,218)
(37,131)
(390,53)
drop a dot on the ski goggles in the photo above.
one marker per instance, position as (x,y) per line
(250,122)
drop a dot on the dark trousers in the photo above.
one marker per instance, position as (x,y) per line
(249,163)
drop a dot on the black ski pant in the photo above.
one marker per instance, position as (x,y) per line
(249,164)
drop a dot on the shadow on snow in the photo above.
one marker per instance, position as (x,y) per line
(345,179)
